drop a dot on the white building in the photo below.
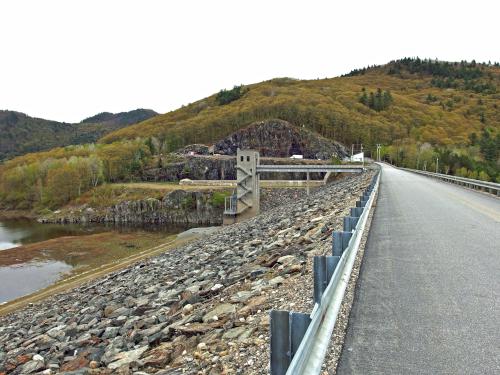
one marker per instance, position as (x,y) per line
(358,158)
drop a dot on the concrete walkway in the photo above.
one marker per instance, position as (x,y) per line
(428,296)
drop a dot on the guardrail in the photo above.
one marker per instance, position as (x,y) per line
(310,168)
(230,205)
(299,341)
(491,187)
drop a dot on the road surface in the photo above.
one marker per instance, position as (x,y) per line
(428,295)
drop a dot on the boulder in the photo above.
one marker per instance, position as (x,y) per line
(125,358)
(220,312)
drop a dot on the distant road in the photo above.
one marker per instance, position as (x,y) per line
(428,295)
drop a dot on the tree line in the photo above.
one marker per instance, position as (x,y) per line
(478,160)
(54,178)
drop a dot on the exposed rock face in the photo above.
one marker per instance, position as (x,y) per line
(176,207)
(195,168)
(198,149)
(179,206)
(202,308)
(278,138)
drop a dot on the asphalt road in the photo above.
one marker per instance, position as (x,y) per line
(428,295)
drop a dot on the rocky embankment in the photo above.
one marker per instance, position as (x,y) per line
(176,207)
(202,308)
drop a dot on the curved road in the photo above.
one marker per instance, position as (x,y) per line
(428,295)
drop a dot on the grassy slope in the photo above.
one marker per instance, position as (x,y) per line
(331,107)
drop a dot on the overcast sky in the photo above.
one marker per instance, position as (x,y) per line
(66,60)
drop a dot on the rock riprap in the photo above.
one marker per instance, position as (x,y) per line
(201,308)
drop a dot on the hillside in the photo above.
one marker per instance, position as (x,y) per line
(441,106)
(121,118)
(21,133)
(419,110)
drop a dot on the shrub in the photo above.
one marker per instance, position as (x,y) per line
(483,176)
(227,96)
(218,198)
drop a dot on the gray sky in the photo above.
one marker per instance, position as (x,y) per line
(66,60)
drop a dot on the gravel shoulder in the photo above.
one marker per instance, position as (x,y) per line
(339,332)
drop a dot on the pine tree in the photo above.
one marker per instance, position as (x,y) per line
(364,97)
(371,100)
(386,99)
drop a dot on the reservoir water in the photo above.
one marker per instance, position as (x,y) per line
(24,270)
(15,233)
(20,280)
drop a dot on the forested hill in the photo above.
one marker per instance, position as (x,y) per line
(419,110)
(416,108)
(122,118)
(410,99)
(21,134)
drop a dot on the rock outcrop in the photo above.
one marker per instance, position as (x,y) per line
(196,168)
(202,308)
(196,149)
(176,207)
(278,138)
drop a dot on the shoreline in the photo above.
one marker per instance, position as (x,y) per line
(17,215)
(79,279)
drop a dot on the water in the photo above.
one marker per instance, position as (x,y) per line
(15,233)
(17,281)
(25,278)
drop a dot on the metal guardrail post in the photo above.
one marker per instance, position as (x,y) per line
(287,331)
(323,268)
(361,203)
(312,349)
(337,243)
(340,242)
(356,211)
(350,223)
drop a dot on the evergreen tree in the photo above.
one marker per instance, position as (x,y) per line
(371,100)
(489,146)
(386,99)
(473,138)
(364,97)
(379,101)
